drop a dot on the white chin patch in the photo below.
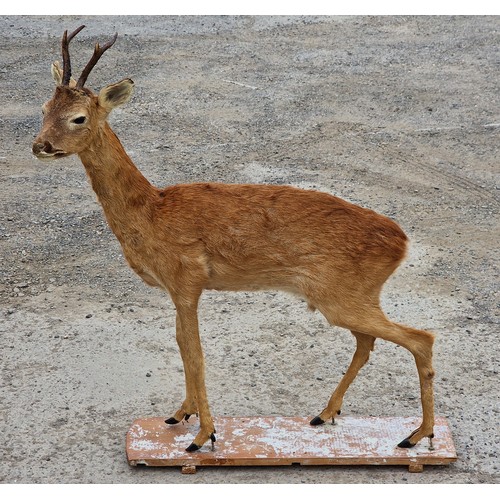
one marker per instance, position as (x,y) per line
(50,156)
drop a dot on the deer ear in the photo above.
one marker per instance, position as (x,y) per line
(116,94)
(57,74)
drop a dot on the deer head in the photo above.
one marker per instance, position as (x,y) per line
(75,115)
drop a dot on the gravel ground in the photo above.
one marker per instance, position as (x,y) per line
(399,114)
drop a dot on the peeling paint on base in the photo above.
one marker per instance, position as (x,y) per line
(286,440)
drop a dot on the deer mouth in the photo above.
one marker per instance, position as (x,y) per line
(53,155)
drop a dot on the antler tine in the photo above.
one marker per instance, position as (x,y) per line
(98,52)
(65,54)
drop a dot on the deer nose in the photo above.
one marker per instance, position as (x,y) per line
(39,147)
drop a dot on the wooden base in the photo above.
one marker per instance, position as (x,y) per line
(253,441)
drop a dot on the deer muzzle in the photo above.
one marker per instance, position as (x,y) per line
(45,151)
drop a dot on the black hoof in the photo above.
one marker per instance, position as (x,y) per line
(212,438)
(193,447)
(171,421)
(317,421)
(405,444)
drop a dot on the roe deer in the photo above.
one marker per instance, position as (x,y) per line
(187,238)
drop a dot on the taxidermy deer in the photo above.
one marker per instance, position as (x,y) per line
(188,238)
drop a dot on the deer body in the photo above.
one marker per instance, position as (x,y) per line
(188,238)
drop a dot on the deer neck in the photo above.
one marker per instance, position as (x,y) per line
(124,193)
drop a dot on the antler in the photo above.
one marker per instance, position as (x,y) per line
(98,52)
(65,54)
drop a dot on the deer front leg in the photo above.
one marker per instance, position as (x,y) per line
(189,406)
(188,339)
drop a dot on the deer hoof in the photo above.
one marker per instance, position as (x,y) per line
(171,421)
(406,443)
(192,447)
(317,421)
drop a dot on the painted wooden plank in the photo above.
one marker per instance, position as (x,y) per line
(253,441)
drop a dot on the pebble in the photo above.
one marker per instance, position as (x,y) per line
(22,285)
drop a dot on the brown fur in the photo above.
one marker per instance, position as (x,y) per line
(188,238)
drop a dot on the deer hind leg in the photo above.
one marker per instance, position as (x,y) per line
(426,377)
(372,321)
(188,339)
(364,344)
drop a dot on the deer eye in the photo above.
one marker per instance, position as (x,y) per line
(79,120)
